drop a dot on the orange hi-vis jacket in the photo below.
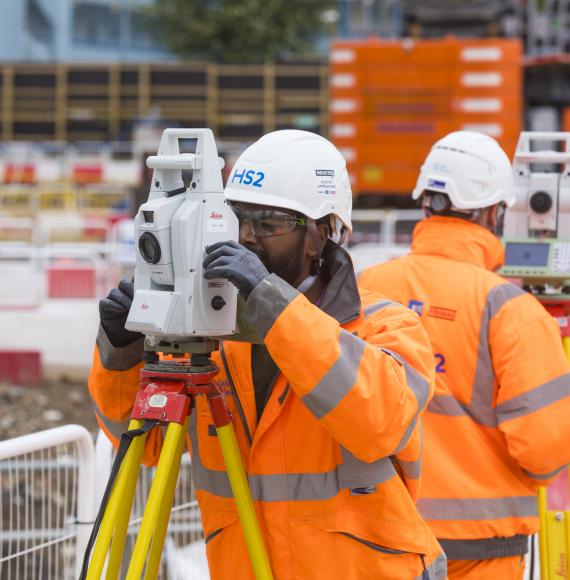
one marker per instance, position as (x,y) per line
(498,425)
(334,462)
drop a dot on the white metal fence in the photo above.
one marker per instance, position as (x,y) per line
(50,485)
(46,507)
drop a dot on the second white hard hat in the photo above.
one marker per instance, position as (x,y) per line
(295,170)
(470,168)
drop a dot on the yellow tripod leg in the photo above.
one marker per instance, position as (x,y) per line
(244,502)
(566,345)
(125,508)
(543,535)
(117,511)
(169,460)
(554,533)
(155,554)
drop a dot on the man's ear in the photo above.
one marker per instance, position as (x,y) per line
(491,217)
(317,238)
(324,232)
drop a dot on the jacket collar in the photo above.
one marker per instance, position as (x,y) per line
(340,298)
(458,240)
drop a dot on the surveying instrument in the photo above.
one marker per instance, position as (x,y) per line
(537,251)
(182,316)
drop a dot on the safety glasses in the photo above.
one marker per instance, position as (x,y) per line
(268,222)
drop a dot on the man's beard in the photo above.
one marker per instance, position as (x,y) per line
(288,265)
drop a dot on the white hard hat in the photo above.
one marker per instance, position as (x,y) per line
(470,168)
(295,170)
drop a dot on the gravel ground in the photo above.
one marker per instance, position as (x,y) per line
(29,409)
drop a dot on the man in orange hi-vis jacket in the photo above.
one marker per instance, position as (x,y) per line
(327,409)
(497,426)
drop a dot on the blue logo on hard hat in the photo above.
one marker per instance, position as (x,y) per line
(248,177)
(436,183)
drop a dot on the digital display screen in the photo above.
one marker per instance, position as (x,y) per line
(524,254)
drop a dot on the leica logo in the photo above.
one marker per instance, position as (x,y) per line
(216,216)
(144,306)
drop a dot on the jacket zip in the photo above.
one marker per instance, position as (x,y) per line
(270,389)
(378,548)
(213,535)
(235,395)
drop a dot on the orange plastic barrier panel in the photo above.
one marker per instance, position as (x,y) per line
(388,52)
(486,77)
(386,151)
(426,127)
(391,100)
(83,173)
(20,173)
(396,100)
(385,177)
(566,119)
(398,75)
(69,282)
(479,51)
(22,368)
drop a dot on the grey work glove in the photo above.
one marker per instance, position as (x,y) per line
(113,312)
(235,263)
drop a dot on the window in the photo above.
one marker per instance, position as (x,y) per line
(144,31)
(96,24)
(38,24)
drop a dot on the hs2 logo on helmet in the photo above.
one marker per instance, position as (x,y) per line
(249,177)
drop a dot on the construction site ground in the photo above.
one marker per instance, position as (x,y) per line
(54,402)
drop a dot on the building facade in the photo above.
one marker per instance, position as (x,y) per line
(79,31)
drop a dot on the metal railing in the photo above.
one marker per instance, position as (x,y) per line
(51,483)
(46,508)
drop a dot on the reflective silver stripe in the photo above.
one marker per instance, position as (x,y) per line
(116,428)
(420,388)
(372,308)
(411,469)
(210,480)
(545,476)
(292,486)
(485,548)
(540,397)
(500,295)
(118,359)
(437,570)
(522,404)
(353,472)
(267,301)
(339,379)
(446,405)
(321,486)
(478,508)
(480,408)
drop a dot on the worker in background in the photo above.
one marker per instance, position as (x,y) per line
(327,409)
(497,427)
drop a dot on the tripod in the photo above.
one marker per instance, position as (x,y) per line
(554,534)
(168,390)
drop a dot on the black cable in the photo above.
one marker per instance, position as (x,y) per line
(126,440)
(532,557)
